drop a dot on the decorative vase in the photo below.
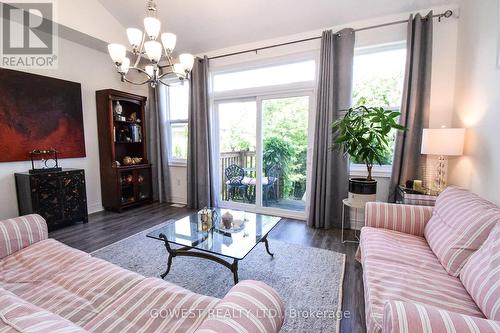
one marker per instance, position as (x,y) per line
(118,108)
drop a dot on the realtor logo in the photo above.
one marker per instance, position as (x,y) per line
(28,35)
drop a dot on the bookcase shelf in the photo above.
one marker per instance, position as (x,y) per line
(122,185)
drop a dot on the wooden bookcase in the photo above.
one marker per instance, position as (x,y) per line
(123,185)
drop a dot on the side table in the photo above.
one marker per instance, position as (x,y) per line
(410,197)
(347,204)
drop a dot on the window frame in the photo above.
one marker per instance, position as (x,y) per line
(382,171)
(172,160)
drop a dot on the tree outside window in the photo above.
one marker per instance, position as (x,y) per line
(378,82)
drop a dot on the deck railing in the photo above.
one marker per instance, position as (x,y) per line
(245,160)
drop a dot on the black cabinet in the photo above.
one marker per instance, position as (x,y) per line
(59,196)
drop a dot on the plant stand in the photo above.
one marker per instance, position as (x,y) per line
(347,204)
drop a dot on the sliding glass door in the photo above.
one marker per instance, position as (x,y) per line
(263,153)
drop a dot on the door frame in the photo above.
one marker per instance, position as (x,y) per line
(259,98)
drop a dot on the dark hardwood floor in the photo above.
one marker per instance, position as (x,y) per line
(105,228)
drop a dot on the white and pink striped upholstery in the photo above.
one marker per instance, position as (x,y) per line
(17,315)
(250,306)
(154,305)
(399,266)
(96,296)
(404,218)
(481,276)
(460,223)
(20,232)
(401,317)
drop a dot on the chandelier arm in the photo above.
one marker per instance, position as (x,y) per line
(124,78)
(140,51)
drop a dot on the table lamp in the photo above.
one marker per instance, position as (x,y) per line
(442,142)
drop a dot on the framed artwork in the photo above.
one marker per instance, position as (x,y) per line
(38,112)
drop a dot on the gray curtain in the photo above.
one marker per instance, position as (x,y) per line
(330,171)
(408,162)
(157,142)
(199,164)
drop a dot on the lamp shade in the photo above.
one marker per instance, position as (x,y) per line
(168,39)
(134,36)
(153,50)
(117,52)
(152,26)
(443,141)
(125,66)
(187,60)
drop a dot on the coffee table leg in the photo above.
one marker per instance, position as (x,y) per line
(266,243)
(169,264)
(234,269)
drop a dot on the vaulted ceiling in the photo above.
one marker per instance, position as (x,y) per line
(204,25)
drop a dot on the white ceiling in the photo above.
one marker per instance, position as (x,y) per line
(205,25)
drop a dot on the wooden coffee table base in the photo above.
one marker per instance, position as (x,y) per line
(187,251)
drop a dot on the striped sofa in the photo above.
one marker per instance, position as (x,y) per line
(46,286)
(431,269)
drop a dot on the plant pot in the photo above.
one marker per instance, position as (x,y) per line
(361,191)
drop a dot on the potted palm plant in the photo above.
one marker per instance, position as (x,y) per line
(363,135)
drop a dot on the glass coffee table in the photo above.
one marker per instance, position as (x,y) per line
(217,243)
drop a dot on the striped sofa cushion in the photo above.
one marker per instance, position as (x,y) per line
(20,232)
(154,305)
(481,276)
(17,315)
(402,267)
(401,317)
(460,223)
(37,263)
(82,291)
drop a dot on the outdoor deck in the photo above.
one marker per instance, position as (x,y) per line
(287,204)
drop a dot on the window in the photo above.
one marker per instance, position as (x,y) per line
(378,81)
(178,102)
(267,76)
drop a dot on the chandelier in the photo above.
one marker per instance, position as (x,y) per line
(146,43)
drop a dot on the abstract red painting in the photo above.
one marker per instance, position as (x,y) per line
(39,112)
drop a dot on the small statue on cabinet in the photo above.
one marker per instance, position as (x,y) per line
(133,117)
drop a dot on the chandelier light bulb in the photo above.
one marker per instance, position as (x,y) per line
(134,37)
(179,70)
(153,50)
(149,69)
(125,66)
(187,60)
(168,39)
(117,52)
(152,26)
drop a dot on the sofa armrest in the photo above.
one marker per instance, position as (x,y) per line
(20,232)
(403,218)
(404,317)
(250,306)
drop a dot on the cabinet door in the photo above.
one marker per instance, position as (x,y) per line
(46,195)
(143,184)
(127,180)
(73,196)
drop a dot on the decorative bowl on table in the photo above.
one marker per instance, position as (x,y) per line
(236,226)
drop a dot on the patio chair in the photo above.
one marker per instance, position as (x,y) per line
(269,184)
(235,175)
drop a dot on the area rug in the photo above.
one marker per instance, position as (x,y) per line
(309,280)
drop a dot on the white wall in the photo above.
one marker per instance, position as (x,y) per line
(95,71)
(443,76)
(478,99)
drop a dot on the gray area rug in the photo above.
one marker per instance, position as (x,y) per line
(309,280)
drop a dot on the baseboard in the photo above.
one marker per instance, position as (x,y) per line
(95,207)
(178,200)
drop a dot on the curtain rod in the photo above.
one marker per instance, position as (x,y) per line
(446,14)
